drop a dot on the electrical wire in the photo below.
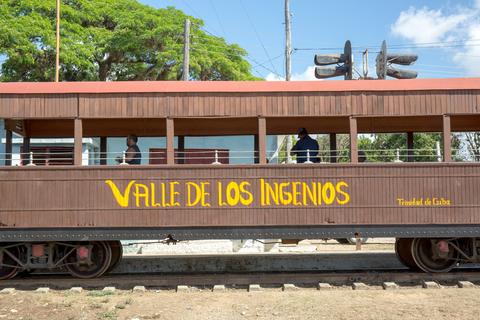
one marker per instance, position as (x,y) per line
(218,18)
(258,36)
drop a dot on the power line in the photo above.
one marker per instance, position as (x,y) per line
(218,18)
(257,35)
(424,45)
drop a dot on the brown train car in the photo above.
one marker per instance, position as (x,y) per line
(74,216)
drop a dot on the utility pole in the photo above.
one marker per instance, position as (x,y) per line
(57,58)
(186,51)
(288,42)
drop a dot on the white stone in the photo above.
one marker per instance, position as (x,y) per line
(254,287)
(109,289)
(7,291)
(359,286)
(390,286)
(465,284)
(324,286)
(76,289)
(219,288)
(183,289)
(289,287)
(139,289)
(42,290)
(430,285)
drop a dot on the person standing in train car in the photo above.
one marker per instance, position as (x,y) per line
(304,145)
(133,155)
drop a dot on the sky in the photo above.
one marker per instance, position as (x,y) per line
(444,33)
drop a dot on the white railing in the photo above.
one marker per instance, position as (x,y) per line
(224,156)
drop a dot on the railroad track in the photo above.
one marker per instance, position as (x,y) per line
(357,279)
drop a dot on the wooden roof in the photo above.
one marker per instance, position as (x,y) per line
(224,108)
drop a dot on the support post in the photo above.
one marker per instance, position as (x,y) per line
(333,147)
(26,150)
(288,42)
(447,139)
(57,56)
(353,140)
(170,142)
(78,142)
(262,140)
(410,147)
(103,151)
(186,51)
(8,147)
(181,150)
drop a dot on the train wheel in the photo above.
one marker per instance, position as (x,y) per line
(434,255)
(117,253)
(88,260)
(403,250)
(9,268)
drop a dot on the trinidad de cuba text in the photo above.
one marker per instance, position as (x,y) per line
(228,194)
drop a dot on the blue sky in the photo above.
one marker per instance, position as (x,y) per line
(257,25)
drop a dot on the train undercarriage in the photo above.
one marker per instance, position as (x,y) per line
(92,259)
(84,260)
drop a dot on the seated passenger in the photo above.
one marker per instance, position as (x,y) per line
(132,154)
(305,143)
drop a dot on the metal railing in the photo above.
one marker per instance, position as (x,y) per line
(225,156)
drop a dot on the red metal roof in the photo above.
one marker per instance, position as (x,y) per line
(238,86)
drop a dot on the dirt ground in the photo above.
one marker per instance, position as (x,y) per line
(238,304)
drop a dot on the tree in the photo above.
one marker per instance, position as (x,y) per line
(110,40)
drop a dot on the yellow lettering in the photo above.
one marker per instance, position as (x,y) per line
(190,187)
(328,193)
(173,194)
(153,196)
(139,194)
(296,193)
(285,196)
(122,199)
(344,193)
(232,199)
(249,196)
(205,194)
(271,193)
(311,193)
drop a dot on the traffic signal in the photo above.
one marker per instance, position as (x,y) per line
(385,60)
(344,63)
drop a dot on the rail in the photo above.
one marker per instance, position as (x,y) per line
(226,156)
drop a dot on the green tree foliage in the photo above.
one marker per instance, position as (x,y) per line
(110,40)
(382,147)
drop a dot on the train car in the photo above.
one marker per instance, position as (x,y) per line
(73,216)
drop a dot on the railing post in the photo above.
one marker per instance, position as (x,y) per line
(447,139)
(353,140)
(77,142)
(410,147)
(333,147)
(170,142)
(262,138)
(103,151)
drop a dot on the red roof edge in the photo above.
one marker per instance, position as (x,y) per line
(238,86)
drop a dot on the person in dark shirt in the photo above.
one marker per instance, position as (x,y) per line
(132,154)
(305,144)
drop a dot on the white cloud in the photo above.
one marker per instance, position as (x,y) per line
(307,75)
(460,25)
(425,25)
